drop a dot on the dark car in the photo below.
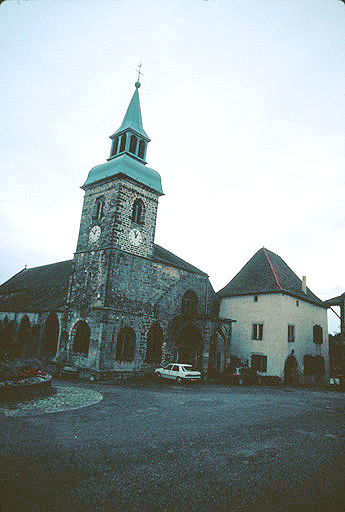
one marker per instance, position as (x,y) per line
(241,375)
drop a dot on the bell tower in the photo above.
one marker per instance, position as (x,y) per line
(121,195)
(119,210)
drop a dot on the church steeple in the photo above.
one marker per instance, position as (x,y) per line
(131,138)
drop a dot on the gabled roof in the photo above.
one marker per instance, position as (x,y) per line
(36,289)
(163,256)
(266,272)
(45,288)
(132,119)
(336,301)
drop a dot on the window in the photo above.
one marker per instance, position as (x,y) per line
(258,331)
(259,362)
(99,209)
(125,347)
(114,146)
(189,303)
(123,143)
(138,212)
(141,151)
(317,334)
(133,144)
(291,333)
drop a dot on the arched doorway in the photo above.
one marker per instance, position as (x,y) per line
(6,338)
(23,347)
(51,335)
(125,347)
(154,344)
(291,370)
(81,338)
(189,345)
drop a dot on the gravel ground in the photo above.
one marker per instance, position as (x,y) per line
(62,398)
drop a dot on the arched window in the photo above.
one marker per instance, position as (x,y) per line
(51,335)
(81,338)
(138,212)
(317,334)
(123,143)
(154,344)
(141,151)
(125,347)
(114,146)
(189,303)
(99,208)
(133,144)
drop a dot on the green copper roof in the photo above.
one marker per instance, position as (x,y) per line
(132,119)
(127,166)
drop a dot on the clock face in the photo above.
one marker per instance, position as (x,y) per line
(135,237)
(95,233)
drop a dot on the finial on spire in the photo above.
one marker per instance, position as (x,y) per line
(137,83)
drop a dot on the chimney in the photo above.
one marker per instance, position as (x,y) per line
(304,284)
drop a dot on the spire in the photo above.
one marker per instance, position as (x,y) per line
(132,119)
(131,138)
(128,151)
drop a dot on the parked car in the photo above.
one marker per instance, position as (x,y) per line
(178,372)
(241,375)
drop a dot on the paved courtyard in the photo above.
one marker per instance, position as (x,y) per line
(165,447)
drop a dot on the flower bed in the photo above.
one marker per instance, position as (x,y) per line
(22,375)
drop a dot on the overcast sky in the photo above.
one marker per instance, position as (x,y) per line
(243,101)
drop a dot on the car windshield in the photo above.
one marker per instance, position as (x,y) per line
(187,369)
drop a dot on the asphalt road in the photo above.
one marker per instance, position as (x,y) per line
(167,447)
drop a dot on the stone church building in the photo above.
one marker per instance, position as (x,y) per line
(124,304)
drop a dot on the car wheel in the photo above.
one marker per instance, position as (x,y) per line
(158,375)
(178,380)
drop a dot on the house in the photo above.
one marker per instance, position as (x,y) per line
(280,325)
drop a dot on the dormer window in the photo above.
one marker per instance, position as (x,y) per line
(114,146)
(138,212)
(141,151)
(133,144)
(123,143)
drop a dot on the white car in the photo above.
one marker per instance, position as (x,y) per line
(178,372)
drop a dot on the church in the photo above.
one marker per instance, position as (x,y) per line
(124,304)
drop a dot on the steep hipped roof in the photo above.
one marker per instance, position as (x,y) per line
(266,272)
(36,289)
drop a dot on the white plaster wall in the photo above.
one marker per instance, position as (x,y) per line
(304,317)
(275,311)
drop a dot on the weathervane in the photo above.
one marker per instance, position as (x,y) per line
(139,72)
